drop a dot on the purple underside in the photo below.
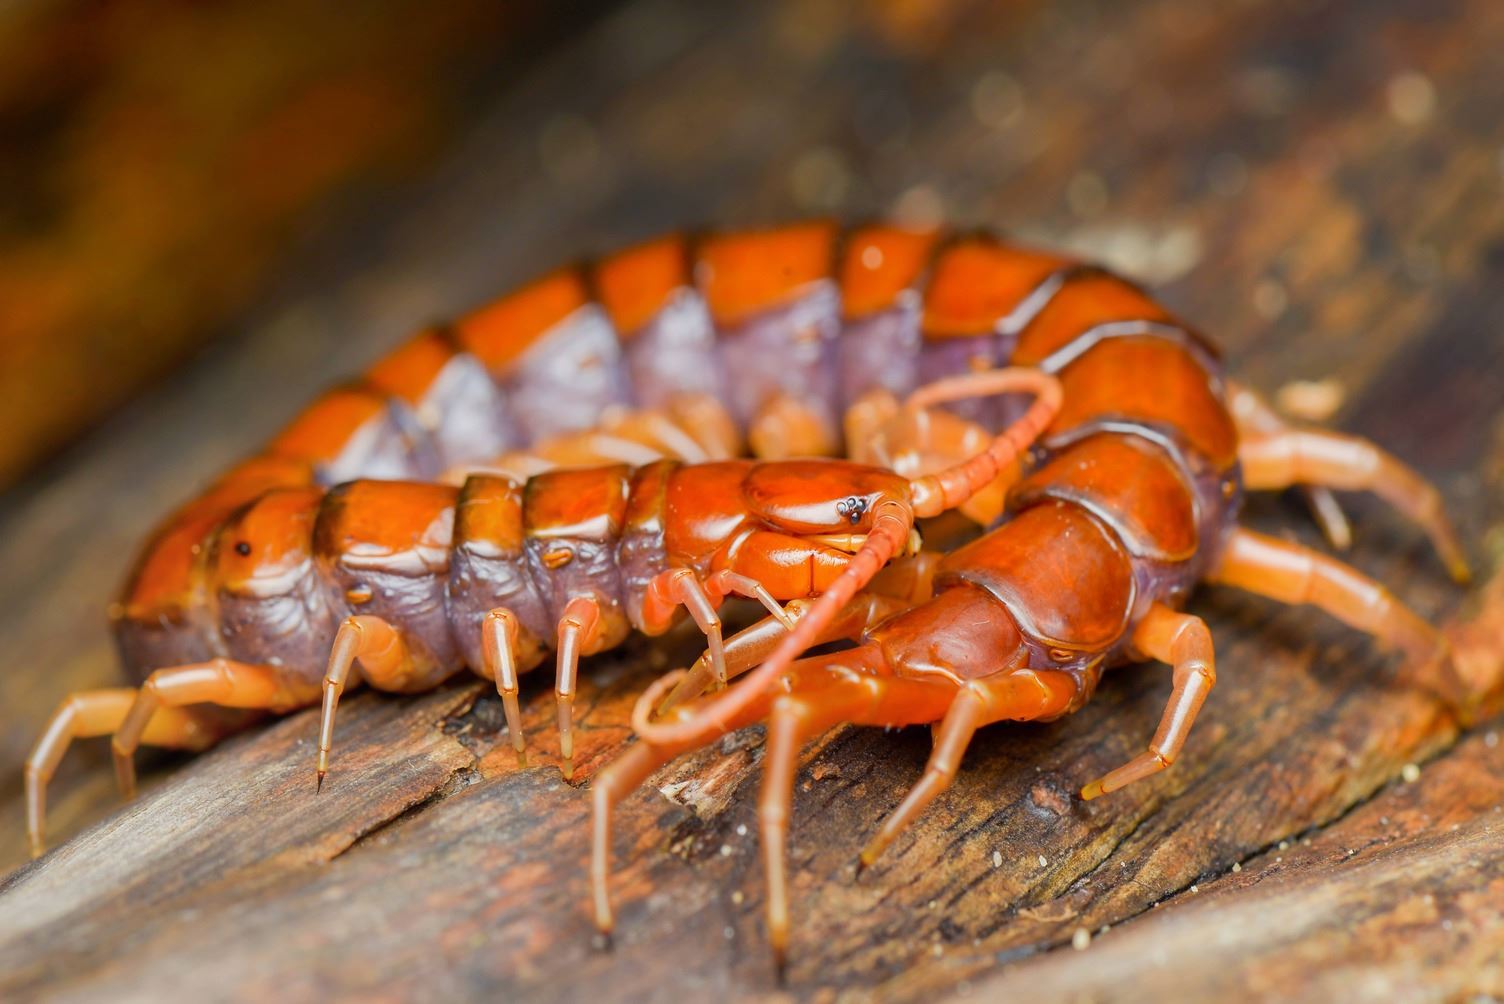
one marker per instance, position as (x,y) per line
(787,350)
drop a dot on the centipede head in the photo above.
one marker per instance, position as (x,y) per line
(830,502)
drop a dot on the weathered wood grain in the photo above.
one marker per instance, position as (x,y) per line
(1279,169)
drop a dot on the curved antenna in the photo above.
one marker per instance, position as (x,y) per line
(892,522)
(935,493)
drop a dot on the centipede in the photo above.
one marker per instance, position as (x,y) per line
(776,415)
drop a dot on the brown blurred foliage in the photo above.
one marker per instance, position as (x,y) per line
(156,155)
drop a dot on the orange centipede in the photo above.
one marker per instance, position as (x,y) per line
(563,466)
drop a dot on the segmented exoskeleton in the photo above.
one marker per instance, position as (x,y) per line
(1128,499)
(480,534)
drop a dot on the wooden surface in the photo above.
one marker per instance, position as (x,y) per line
(1318,185)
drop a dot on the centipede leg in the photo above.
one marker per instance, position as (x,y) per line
(708,421)
(786,426)
(97,713)
(499,651)
(1184,642)
(614,783)
(1294,574)
(379,648)
(753,645)
(864,424)
(960,723)
(900,584)
(793,720)
(680,586)
(1019,695)
(218,681)
(1334,460)
(578,628)
(825,682)
(1256,419)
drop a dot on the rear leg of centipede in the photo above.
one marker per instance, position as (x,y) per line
(1335,460)
(1257,419)
(1294,574)
(93,713)
(1184,643)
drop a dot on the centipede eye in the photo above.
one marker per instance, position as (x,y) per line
(852,507)
(243,548)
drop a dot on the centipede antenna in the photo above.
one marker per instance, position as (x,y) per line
(947,489)
(891,522)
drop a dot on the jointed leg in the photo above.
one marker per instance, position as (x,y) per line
(578,630)
(900,584)
(499,650)
(960,723)
(749,647)
(382,655)
(707,420)
(786,426)
(961,482)
(218,681)
(1017,695)
(1334,460)
(1184,642)
(668,590)
(917,439)
(823,684)
(1256,419)
(1291,573)
(794,719)
(97,713)
(615,782)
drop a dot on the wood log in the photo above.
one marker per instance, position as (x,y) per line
(1317,187)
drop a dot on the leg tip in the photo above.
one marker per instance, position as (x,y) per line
(125,775)
(38,848)
(780,965)
(319,783)
(566,768)
(1462,572)
(1093,790)
(604,940)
